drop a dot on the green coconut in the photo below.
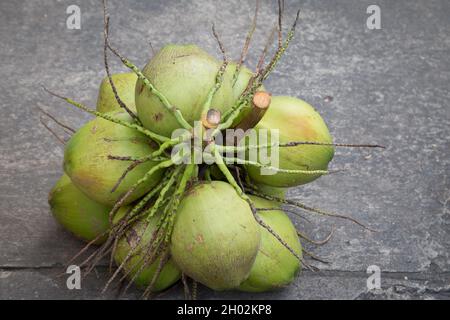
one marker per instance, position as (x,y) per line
(125,84)
(77,213)
(275,266)
(215,237)
(137,238)
(271,191)
(296,120)
(184,74)
(86,160)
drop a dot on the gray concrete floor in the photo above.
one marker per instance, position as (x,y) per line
(389,86)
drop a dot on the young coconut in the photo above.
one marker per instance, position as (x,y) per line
(87,163)
(125,84)
(137,240)
(274,267)
(271,191)
(77,213)
(215,237)
(296,120)
(185,75)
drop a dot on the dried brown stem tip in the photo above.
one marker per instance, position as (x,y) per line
(260,104)
(211,119)
(262,99)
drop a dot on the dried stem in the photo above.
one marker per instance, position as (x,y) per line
(105,60)
(165,102)
(308,208)
(248,39)
(260,104)
(317,242)
(106,116)
(61,140)
(62,125)
(314,257)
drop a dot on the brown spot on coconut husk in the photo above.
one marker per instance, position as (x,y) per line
(132,238)
(304,127)
(141,88)
(136,140)
(192,188)
(85,180)
(265,253)
(158,116)
(152,144)
(182,56)
(199,238)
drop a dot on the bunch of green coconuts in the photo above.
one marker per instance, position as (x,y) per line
(220,223)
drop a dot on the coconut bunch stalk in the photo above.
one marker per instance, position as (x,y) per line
(175,198)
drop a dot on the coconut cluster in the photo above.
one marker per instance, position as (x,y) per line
(156,183)
(218,223)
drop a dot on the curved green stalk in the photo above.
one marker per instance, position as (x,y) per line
(119,203)
(259,165)
(134,126)
(176,112)
(290,144)
(178,195)
(152,211)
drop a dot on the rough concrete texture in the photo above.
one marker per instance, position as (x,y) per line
(389,86)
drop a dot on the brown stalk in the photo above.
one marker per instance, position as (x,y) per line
(260,103)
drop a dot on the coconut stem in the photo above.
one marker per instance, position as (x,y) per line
(320,242)
(128,218)
(279,53)
(162,195)
(219,77)
(308,208)
(165,102)
(162,261)
(120,202)
(314,257)
(259,77)
(62,125)
(85,248)
(137,161)
(177,196)
(280,20)
(260,104)
(194,289)
(187,293)
(105,116)
(241,193)
(61,140)
(265,49)
(164,226)
(291,144)
(120,267)
(270,168)
(248,39)
(105,60)
(211,118)
(151,251)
